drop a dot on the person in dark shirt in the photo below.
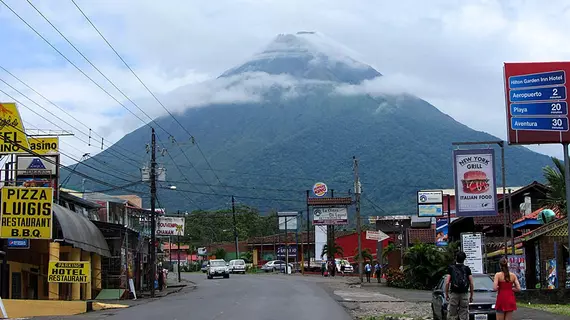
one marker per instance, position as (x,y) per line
(459,289)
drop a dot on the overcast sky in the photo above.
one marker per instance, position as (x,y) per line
(449,52)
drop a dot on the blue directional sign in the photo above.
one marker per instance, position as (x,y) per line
(538,79)
(554,108)
(19,243)
(540,124)
(538,94)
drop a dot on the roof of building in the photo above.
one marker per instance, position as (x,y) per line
(79,231)
(534,215)
(75,199)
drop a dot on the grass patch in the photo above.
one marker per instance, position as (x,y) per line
(389,317)
(562,309)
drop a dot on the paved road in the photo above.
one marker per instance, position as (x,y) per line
(261,297)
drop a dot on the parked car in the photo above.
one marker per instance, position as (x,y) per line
(204,267)
(218,268)
(482,307)
(237,266)
(274,265)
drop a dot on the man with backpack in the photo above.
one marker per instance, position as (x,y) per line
(459,289)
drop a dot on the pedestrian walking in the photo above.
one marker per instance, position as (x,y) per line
(459,289)
(368,270)
(323,268)
(342,267)
(506,283)
(378,271)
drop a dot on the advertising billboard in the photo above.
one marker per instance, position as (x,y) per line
(472,245)
(330,216)
(475,185)
(170,226)
(430,203)
(536,102)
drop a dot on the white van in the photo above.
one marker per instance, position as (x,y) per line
(237,266)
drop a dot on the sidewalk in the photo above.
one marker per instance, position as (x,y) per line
(143,296)
(424,296)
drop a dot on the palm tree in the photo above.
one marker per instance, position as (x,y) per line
(424,263)
(391,247)
(334,251)
(366,255)
(555,181)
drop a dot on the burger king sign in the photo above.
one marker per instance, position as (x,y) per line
(320,189)
(475,190)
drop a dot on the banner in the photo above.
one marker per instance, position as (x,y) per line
(69,271)
(441,232)
(13,136)
(292,251)
(472,245)
(170,226)
(517,265)
(330,216)
(27,213)
(475,185)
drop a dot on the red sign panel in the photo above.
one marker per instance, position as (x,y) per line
(537,102)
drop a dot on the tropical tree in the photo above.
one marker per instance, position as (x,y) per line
(424,264)
(247,256)
(555,182)
(333,251)
(391,247)
(220,253)
(366,255)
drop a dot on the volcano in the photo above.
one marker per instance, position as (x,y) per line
(287,118)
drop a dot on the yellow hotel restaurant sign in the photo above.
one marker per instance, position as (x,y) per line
(12,134)
(69,271)
(27,213)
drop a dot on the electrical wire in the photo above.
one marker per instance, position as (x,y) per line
(102,74)
(71,116)
(149,91)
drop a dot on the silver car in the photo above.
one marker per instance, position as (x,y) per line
(237,266)
(482,307)
(218,268)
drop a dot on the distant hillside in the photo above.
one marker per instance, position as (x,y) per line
(271,150)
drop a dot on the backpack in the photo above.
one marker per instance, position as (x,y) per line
(459,279)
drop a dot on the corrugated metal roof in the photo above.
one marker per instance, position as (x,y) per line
(80,231)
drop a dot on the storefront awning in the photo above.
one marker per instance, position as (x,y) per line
(80,231)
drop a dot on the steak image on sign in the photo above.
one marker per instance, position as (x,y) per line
(474,176)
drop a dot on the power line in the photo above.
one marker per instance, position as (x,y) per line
(68,114)
(149,91)
(93,81)
(48,120)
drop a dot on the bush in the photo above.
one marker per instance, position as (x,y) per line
(395,278)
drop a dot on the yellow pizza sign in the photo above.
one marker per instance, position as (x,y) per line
(27,213)
(69,271)
(44,145)
(13,137)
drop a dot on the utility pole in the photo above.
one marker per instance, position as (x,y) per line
(152,211)
(309,235)
(235,226)
(358,226)
(178,245)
